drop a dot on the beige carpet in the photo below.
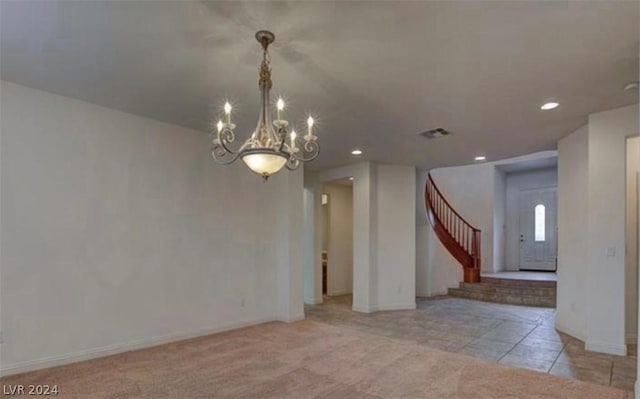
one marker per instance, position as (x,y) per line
(302,360)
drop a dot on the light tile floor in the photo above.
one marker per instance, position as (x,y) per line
(518,336)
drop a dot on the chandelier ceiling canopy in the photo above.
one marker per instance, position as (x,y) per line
(273,144)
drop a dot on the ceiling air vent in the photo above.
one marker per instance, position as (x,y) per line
(435,133)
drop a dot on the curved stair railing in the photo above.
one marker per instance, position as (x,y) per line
(460,238)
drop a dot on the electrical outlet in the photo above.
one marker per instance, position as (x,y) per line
(611,252)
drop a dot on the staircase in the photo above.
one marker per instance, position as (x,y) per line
(460,238)
(510,291)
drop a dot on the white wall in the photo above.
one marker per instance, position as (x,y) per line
(436,270)
(120,232)
(515,183)
(499,219)
(608,132)
(573,161)
(288,216)
(339,227)
(592,269)
(631,279)
(396,252)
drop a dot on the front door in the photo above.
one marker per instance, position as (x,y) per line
(538,229)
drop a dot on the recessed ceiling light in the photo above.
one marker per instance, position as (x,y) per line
(356,152)
(481,158)
(549,106)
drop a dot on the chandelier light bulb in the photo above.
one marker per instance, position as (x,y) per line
(293,135)
(227,111)
(219,125)
(280,107)
(309,128)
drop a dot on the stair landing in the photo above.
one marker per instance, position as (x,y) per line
(536,276)
(513,288)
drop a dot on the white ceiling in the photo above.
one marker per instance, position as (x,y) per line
(341,182)
(529,165)
(375,73)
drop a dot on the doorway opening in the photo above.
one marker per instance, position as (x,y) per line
(525,246)
(337,237)
(530,232)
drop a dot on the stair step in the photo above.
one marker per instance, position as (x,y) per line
(518,283)
(524,300)
(509,290)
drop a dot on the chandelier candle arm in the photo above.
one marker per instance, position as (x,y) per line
(267,149)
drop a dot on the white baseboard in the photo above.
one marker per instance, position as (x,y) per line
(291,319)
(570,331)
(93,353)
(595,346)
(340,292)
(405,306)
(379,308)
(313,301)
(362,309)
(605,347)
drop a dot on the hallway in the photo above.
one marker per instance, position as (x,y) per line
(518,336)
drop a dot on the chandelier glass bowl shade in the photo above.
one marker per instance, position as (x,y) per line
(272,145)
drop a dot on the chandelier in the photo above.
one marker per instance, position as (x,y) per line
(271,146)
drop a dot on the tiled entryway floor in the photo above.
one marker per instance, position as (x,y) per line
(518,336)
